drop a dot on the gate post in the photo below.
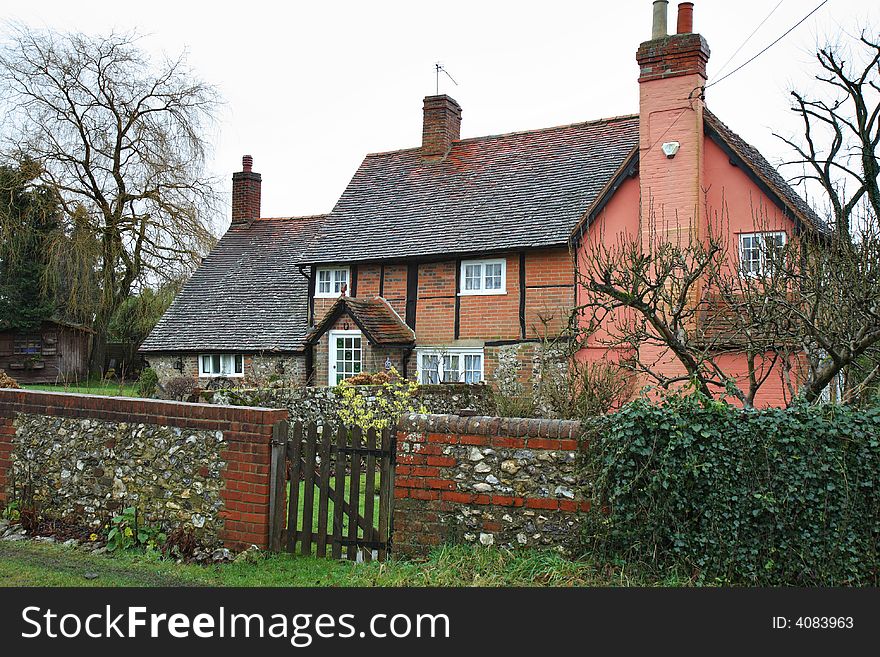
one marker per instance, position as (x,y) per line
(278,485)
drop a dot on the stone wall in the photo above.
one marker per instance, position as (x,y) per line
(259,369)
(494,481)
(320,403)
(200,465)
(92,469)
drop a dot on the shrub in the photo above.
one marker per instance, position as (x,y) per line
(393,398)
(765,497)
(181,388)
(147,383)
(577,390)
(522,405)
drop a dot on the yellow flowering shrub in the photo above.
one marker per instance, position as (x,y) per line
(393,398)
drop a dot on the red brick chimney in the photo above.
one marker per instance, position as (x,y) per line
(441,127)
(672,78)
(246,192)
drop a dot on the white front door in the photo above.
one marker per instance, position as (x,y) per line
(345,355)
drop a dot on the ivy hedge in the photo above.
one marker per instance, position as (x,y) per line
(757,497)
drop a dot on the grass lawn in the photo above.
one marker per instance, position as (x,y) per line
(108,388)
(28,563)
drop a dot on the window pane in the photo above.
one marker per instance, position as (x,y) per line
(206,364)
(215,364)
(750,254)
(472,368)
(493,276)
(239,364)
(472,276)
(340,277)
(430,367)
(348,357)
(324,282)
(450,368)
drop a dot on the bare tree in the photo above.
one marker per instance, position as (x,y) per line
(662,300)
(123,141)
(841,131)
(836,298)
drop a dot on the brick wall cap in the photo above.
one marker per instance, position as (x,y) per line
(9,395)
(486,425)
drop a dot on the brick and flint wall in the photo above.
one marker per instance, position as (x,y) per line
(197,465)
(493,481)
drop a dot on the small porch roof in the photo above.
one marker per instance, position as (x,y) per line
(377,320)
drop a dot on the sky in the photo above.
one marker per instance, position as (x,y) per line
(312,87)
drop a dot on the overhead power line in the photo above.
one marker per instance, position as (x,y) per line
(749,38)
(785,34)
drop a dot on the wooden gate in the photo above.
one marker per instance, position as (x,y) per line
(332,488)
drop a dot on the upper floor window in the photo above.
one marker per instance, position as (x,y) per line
(332,281)
(756,251)
(483,276)
(231,365)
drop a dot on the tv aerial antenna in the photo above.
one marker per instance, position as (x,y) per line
(438,69)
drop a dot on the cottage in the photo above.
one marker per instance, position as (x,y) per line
(455,258)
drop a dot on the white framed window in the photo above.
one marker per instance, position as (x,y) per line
(483,276)
(450,365)
(331,281)
(755,251)
(346,355)
(229,365)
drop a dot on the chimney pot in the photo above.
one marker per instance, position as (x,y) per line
(658,29)
(247,163)
(685,18)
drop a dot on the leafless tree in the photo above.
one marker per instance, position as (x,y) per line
(123,140)
(662,299)
(837,295)
(841,130)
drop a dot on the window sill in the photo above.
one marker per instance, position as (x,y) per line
(482,293)
(328,296)
(221,376)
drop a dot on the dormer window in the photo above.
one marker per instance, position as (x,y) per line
(331,281)
(483,276)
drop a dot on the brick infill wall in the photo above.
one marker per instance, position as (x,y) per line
(493,481)
(244,449)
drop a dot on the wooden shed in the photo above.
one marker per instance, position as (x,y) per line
(58,352)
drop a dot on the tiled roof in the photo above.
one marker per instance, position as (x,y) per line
(248,294)
(519,190)
(374,316)
(766,172)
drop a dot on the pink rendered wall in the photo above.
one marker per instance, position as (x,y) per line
(733,204)
(619,218)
